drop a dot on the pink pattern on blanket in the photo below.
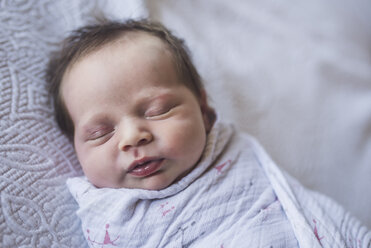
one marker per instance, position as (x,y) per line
(164,210)
(220,167)
(316,232)
(107,239)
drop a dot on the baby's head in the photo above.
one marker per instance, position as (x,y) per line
(131,100)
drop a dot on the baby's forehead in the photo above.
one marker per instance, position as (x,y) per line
(140,39)
(141,36)
(129,42)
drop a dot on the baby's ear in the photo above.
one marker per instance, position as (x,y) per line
(208,113)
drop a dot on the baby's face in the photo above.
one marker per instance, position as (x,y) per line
(136,125)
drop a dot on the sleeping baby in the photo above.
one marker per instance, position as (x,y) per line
(160,168)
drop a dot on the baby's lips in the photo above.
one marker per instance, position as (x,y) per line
(145,166)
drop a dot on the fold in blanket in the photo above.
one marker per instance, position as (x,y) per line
(235,197)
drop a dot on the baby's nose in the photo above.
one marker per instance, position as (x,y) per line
(134,135)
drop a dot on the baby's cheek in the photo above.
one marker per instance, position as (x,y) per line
(99,169)
(90,160)
(185,140)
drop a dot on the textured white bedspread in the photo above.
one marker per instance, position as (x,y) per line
(36,209)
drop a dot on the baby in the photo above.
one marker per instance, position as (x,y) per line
(160,169)
(133,103)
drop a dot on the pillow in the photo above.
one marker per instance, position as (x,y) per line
(37,210)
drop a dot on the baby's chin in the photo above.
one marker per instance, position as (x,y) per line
(145,184)
(154,184)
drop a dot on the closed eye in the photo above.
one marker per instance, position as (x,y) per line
(99,134)
(157,111)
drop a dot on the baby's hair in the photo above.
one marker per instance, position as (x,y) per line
(88,39)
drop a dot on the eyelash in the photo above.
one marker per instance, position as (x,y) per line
(99,134)
(153,112)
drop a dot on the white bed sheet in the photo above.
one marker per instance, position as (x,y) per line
(297,75)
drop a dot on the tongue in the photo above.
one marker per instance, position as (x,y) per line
(142,166)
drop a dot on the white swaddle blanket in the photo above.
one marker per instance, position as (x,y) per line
(235,197)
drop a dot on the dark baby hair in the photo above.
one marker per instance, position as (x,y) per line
(88,39)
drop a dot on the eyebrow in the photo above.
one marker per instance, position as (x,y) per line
(164,94)
(160,96)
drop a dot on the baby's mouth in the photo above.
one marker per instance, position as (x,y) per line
(145,167)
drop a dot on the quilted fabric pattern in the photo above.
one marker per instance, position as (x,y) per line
(36,209)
